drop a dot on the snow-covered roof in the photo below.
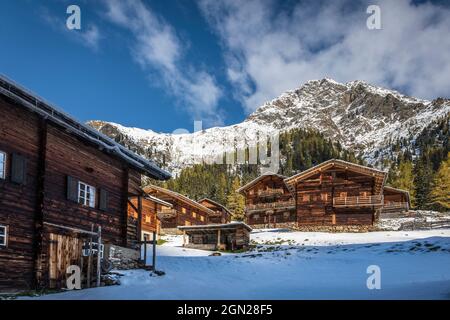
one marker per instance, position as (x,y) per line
(232,224)
(45,109)
(256,180)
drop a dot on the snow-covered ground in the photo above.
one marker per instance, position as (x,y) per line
(294,265)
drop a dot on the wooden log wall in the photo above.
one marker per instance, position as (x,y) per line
(314,198)
(43,197)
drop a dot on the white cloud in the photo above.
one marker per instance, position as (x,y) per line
(89,36)
(157,48)
(270,50)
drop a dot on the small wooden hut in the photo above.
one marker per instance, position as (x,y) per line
(229,236)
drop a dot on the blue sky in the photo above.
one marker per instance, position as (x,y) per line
(161,65)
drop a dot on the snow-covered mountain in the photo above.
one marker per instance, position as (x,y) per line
(362,117)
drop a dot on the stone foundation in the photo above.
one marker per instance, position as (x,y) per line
(319,228)
(283,225)
(122,258)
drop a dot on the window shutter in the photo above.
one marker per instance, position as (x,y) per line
(18,169)
(103,203)
(72,189)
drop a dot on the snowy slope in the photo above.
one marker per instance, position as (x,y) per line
(295,265)
(360,116)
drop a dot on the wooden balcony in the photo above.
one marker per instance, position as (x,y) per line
(270,193)
(395,207)
(358,201)
(167,213)
(271,205)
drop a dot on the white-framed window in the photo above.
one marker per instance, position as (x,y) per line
(3,236)
(2,165)
(86,194)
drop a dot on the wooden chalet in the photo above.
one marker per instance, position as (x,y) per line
(184,211)
(395,201)
(221,213)
(268,202)
(337,192)
(150,207)
(229,236)
(64,188)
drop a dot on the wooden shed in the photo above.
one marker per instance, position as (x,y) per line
(229,236)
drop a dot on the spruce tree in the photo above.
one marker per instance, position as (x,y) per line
(440,194)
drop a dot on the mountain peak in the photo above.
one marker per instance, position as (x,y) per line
(364,118)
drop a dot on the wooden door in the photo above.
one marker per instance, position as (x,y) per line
(64,251)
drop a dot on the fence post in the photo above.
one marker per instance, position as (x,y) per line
(154,251)
(99,259)
(145,251)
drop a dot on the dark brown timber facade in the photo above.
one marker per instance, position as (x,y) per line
(59,180)
(334,193)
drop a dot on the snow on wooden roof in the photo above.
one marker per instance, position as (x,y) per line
(45,109)
(256,180)
(214,203)
(231,225)
(378,174)
(179,197)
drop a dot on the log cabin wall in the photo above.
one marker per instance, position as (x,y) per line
(222,215)
(185,211)
(49,156)
(149,222)
(269,203)
(19,134)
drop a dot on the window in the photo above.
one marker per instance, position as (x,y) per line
(194,214)
(2,165)
(86,194)
(324,196)
(306,197)
(202,218)
(183,210)
(187,223)
(148,219)
(3,236)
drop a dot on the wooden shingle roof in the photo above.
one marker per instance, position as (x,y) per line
(178,196)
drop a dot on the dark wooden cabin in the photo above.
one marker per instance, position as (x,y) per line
(337,192)
(151,207)
(221,213)
(268,202)
(59,181)
(230,236)
(185,211)
(395,201)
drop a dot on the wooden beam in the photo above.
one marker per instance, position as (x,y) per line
(39,207)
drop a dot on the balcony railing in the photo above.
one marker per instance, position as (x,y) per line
(271,205)
(167,213)
(270,192)
(395,206)
(358,201)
